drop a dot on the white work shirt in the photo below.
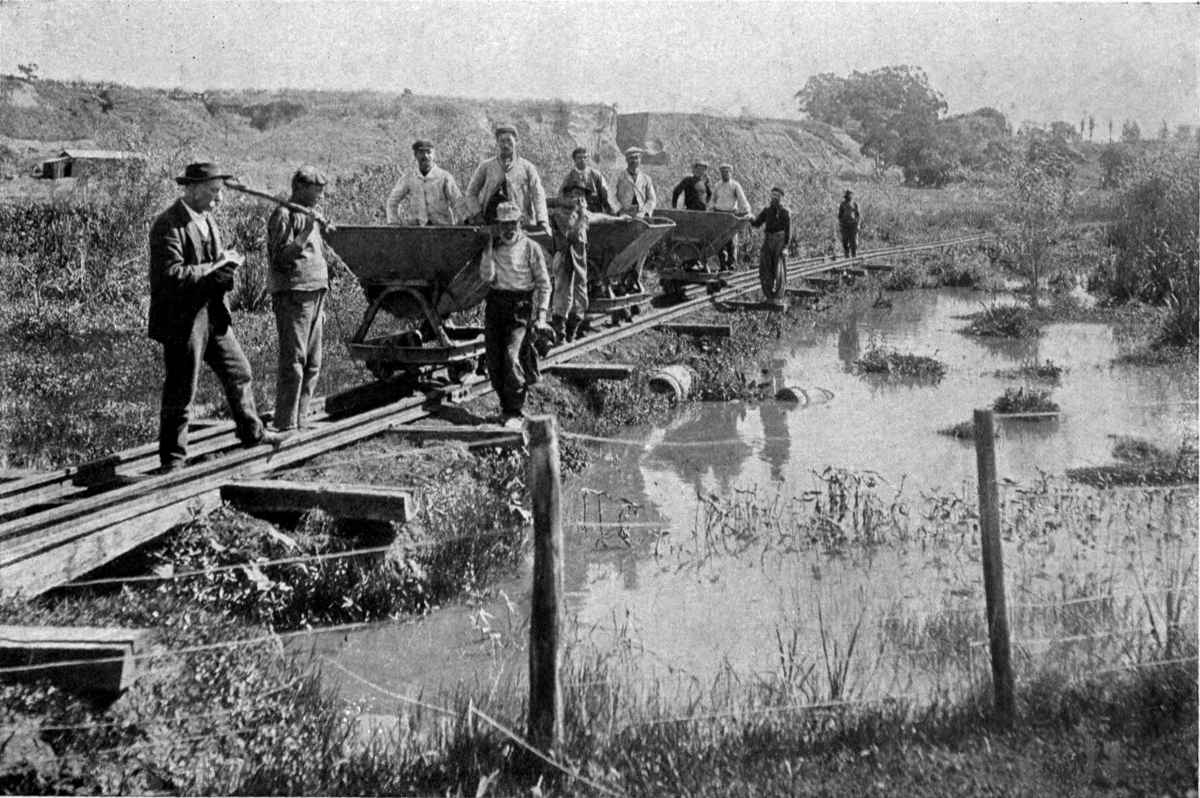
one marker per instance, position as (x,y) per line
(639,189)
(519,266)
(728,196)
(433,198)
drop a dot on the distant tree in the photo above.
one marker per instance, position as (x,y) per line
(1115,162)
(891,111)
(1082,125)
(1131,132)
(1064,131)
(29,71)
(1091,127)
(1164,132)
(1110,138)
(1183,133)
(1039,203)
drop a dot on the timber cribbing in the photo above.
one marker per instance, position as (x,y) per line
(55,531)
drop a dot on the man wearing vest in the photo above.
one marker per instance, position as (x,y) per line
(507,178)
(848,219)
(772,260)
(695,188)
(190,273)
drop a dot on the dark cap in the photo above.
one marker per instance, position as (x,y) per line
(848,193)
(422,144)
(780,190)
(500,129)
(308,174)
(700,163)
(201,172)
(579,151)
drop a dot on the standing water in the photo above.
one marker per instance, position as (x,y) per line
(693,543)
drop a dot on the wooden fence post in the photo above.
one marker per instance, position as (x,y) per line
(993,565)
(545,621)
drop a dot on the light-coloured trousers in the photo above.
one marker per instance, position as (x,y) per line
(570,297)
(299,320)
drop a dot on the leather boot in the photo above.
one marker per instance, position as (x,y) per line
(572,329)
(557,324)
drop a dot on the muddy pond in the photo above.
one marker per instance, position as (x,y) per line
(690,552)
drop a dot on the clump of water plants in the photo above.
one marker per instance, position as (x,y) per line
(1046,370)
(1004,321)
(1140,462)
(1025,400)
(902,278)
(890,363)
(963,430)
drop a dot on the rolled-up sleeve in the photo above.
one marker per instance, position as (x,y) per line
(397,195)
(541,277)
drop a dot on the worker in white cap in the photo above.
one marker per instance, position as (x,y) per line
(635,198)
(514,268)
(729,197)
(432,193)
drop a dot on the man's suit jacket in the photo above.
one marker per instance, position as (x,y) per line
(180,287)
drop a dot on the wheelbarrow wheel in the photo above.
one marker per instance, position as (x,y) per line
(459,369)
(381,370)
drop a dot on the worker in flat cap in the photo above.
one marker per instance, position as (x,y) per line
(570,220)
(848,221)
(595,186)
(190,273)
(695,188)
(635,199)
(298,279)
(513,267)
(729,197)
(507,178)
(432,193)
(777,232)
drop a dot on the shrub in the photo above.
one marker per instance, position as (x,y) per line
(1020,400)
(889,362)
(1035,370)
(1004,321)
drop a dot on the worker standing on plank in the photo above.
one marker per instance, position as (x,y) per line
(298,280)
(848,220)
(635,199)
(514,268)
(570,219)
(583,173)
(507,178)
(772,260)
(729,197)
(433,194)
(695,188)
(190,273)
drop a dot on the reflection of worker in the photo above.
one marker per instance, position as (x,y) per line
(772,261)
(298,281)
(433,194)
(695,188)
(849,346)
(514,268)
(190,273)
(635,198)
(570,218)
(729,197)
(583,173)
(777,434)
(507,178)
(848,221)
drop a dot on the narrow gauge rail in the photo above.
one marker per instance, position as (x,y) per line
(55,531)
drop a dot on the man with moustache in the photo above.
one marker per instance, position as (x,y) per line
(433,195)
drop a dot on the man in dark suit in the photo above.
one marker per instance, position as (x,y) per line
(190,273)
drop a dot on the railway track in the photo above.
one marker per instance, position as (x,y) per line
(56,526)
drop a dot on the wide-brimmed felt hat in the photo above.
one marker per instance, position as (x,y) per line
(508,212)
(422,144)
(202,172)
(310,175)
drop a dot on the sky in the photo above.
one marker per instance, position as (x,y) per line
(1037,62)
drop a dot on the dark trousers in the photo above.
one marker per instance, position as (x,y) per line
(508,347)
(727,256)
(850,241)
(182,358)
(772,265)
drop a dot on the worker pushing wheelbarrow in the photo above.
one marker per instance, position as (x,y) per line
(695,242)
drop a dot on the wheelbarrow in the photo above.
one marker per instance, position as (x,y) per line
(697,238)
(419,276)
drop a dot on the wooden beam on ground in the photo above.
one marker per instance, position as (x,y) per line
(765,304)
(876,267)
(823,279)
(802,292)
(348,501)
(852,271)
(101,658)
(706,330)
(477,436)
(591,371)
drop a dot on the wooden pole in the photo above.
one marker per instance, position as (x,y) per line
(993,565)
(545,622)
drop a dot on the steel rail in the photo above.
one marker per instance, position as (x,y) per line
(27,544)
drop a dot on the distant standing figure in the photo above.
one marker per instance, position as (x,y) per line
(190,273)
(433,194)
(728,196)
(695,188)
(299,282)
(507,178)
(635,198)
(848,219)
(582,173)
(514,268)
(772,261)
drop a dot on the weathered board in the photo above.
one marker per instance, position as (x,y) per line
(348,501)
(479,435)
(593,371)
(96,660)
(766,304)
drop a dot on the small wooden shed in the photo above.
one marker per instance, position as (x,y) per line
(82,163)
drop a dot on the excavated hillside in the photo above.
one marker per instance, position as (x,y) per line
(363,138)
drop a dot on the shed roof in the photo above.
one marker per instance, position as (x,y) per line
(99,155)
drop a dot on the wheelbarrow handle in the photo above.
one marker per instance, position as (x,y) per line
(315,214)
